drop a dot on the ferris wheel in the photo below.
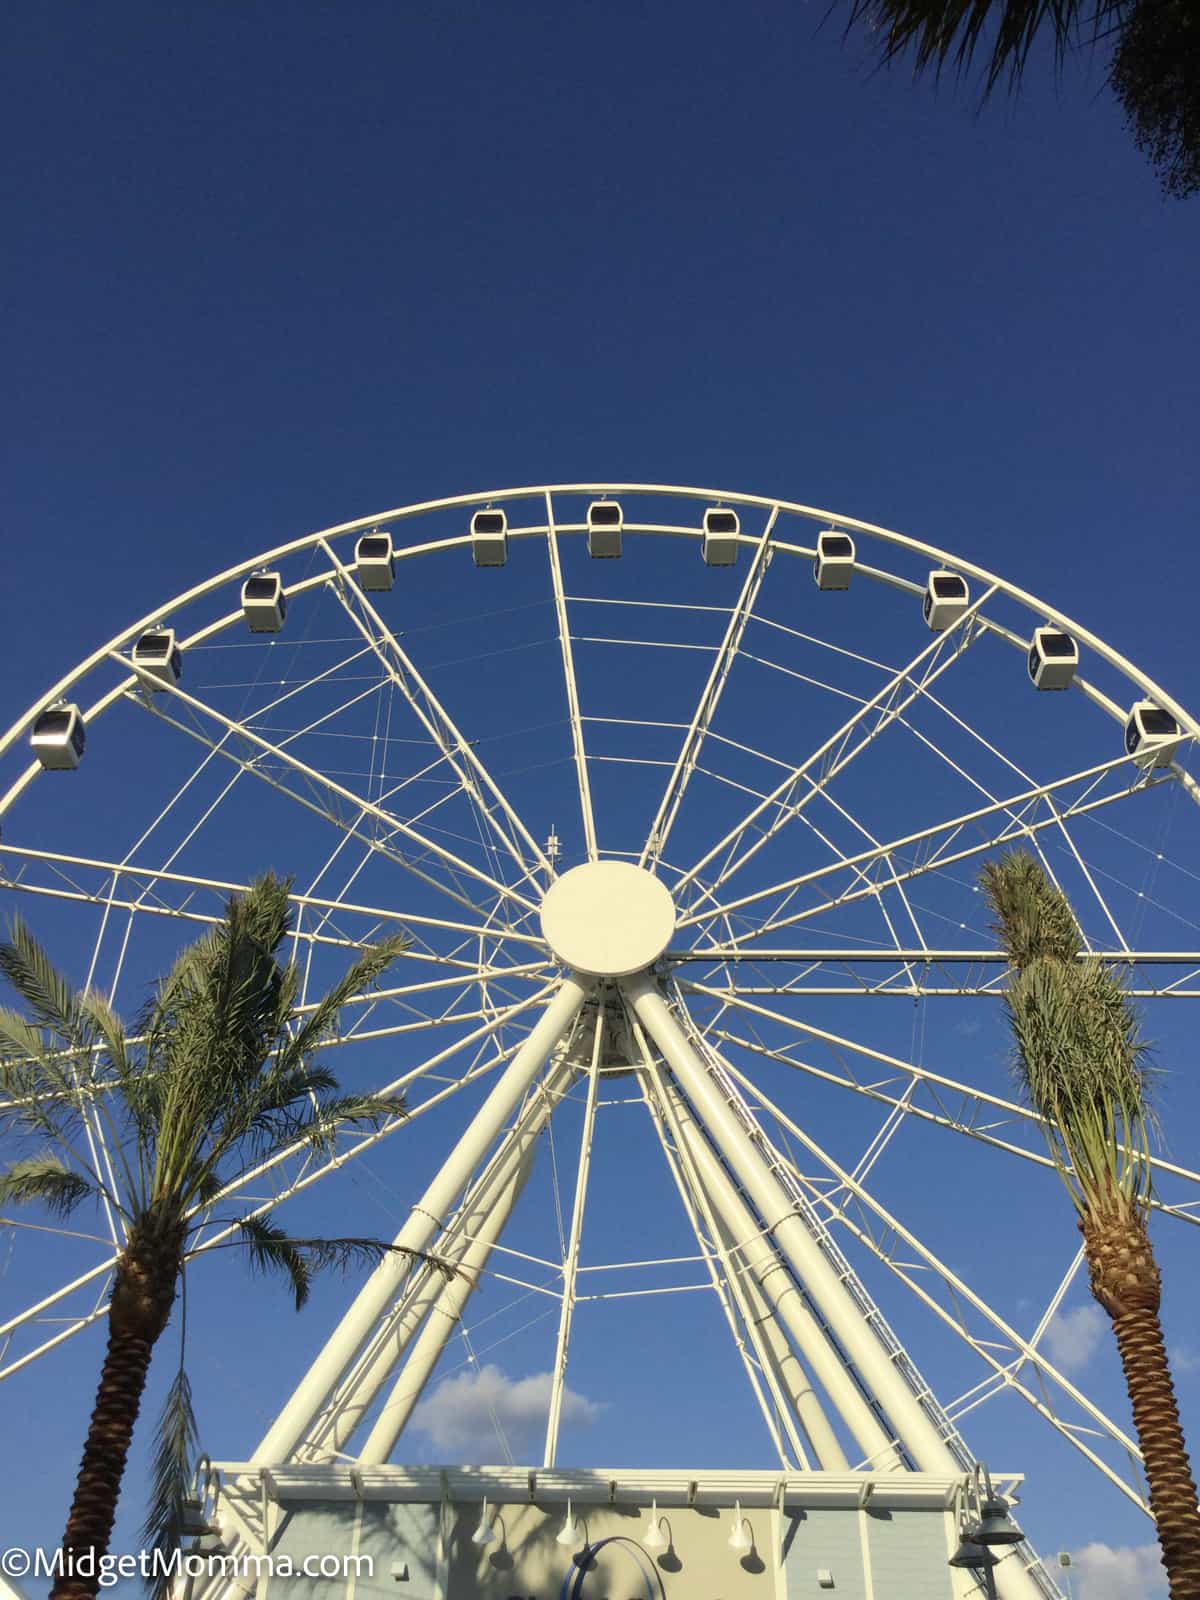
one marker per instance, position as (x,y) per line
(681,796)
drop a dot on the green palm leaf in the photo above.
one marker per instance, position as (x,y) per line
(45,1180)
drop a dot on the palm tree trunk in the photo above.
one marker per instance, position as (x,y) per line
(143,1293)
(1168,1471)
(1125,1280)
(90,1523)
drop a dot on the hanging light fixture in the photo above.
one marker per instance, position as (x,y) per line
(971,1553)
(996,1526)
(972,1549)
(569,1533)
(653,1538)
(484,1533)
(741,1539)
(193,1524)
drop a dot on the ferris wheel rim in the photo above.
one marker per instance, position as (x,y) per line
(1022,597)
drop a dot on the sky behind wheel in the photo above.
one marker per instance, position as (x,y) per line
(275,274)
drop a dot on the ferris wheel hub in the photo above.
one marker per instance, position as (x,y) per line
(608,919)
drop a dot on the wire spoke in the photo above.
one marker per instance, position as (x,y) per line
(1023,821)
(472,774)
(331,793)
(835,754)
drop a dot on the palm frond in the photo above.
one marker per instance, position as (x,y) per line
(51,1000)
(215,1020)
(175,1447)
(45,1180)
(953,33)
(270,1250)
(1079,1055)
(357,980)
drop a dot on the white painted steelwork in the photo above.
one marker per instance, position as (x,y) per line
(457,845)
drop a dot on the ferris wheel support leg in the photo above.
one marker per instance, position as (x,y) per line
(744,1238)
(497,1187)
(423,1224)
(802,1252)
(440,1324)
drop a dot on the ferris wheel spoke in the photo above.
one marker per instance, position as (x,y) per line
(927,1096)
(710,697)
(932,846)
(860,875)
(852,1206)
(325,796)
(836,753)
(908,974)
(571,687)
(474,777)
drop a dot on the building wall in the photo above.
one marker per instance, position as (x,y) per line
(526,1563)
(426,1552)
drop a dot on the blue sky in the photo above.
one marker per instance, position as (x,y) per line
(268,270)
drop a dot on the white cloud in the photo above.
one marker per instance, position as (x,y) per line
(1104,1573)
(458,1415)
(1184,1358)
(1073,1336)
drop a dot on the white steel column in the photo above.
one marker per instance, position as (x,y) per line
(423,1224)
(497,1187)
(774,1407)
(761,1265)
(566,1315)
(786,1377)
(441,1321)
(917,1431)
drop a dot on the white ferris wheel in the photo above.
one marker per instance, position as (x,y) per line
(681,796)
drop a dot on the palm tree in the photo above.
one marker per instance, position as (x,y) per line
(1083,1066)
(220,1072)
(1154,68)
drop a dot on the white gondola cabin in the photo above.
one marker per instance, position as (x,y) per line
(1152,735)
(946,598)
(489,538)
(158,656)
(604,523)
(721,529)
(375,561)
(1053,658)
(264,604)
(835,560)
(58,737)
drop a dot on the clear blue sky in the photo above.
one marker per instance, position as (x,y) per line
(270,268)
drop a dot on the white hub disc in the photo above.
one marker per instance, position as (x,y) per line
(608,918)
